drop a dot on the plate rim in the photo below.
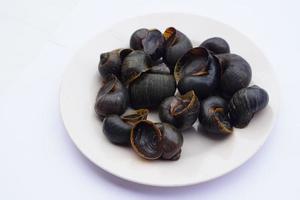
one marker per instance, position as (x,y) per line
(147,183)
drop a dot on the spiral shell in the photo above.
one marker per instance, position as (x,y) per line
(112,98)
(181,111)
(245,103)
(197,70)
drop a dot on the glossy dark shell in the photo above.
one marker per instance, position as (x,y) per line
(236,74)
(150,41)
(197,70)
(149,90)
(110,63)
(112,98)
(213,116)
(172,141)
(153,44)
(217,45)
(137,37)
(146,140)
(245,103)
(134,65)
(117,129)
(177,44)
(181,111)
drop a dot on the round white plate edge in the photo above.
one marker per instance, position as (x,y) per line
(275,109)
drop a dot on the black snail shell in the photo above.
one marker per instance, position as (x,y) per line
(112,98)
(197,70)
(146,140)
(236,73)
(213,116)
(117,129)
(177,44)
(150,41)
(181,111)
(217,45)
(245,103)
(134,65)
(137,37)
(110,63)
(172,141)
(151,88)
(156,140)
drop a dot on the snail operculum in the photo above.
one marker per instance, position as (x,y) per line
(112,98)
(213,116)
(181,111)
(245,103)
(110,63)
(197,70)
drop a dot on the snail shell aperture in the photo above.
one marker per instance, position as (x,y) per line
(156,140)
(146,140)
(181,111)
(134,65)
(213,116)
(177,44)
(197,70)
(117,129)
(112,98)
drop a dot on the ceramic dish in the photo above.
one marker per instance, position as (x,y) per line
(202,158)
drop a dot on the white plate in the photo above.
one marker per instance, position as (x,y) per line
(202,158)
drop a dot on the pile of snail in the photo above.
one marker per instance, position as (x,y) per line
(212,83)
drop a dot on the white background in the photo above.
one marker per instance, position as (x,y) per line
(38,159)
